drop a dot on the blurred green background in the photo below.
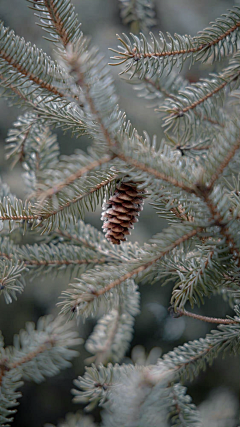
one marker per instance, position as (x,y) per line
(49,401)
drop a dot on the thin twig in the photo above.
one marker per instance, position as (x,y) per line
(54,262)
(200,101)
(56,20)
(156,173)
(219,221)
(224,164)
(175,98)
(205,46)
(30,76)
(78,198)
(136,271)
(73,177)
(205,318)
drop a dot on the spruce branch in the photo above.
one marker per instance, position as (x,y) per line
(87,236)
(191,177)
(144,57)
(58,19)
(87,195)
(220,220)
(183,412)
(36,353)
(17,261)
(197,354)
(11,280)
(224,164)
(197,278)
(99,385)
(167,88)
(156,173)
(40,70)
(85,295)
(138,13)
(113,332)
(208,319)
(196,101)
(73,177)
(56,111)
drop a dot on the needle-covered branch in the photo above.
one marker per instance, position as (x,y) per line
(139,55)
(85,296)
(36,354)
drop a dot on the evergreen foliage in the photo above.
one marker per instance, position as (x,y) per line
(191,177)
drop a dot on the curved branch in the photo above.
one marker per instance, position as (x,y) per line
(156,173)
(57,22)
(76,199)
(208,319)
(73,177)
(136,55)
(30,76)
(136,271)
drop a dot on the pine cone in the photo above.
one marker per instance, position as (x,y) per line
(120,211)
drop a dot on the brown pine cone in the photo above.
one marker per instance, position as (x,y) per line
(120,211)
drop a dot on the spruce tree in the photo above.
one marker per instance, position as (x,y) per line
(191,177)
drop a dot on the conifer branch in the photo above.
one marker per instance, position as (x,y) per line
(156,173)
(131,273)
(183,413)
(45,214)
(197,281)
(27,358)
(219,221)
(49,255)
(15,90)
(193,180)
(186,361)
(29,218)
(13,59)
(143,56)
(73,177)
(224,164)
(57,21)
(35,79)
(180,312)
(155,83)
(83,241)
(192,106)
(46,108)
(74,61)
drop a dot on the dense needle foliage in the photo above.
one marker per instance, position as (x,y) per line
(191,177)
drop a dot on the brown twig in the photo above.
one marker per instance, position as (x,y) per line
(219,221)
(205,46)
(8,217)
(56,20)
(223,165)
(175,98)
(138,270)
(180,313)
(30,76)
(73,177)
(156,173)
(55,262)
(201,100)
(33,354)
(6,367)
(78,198)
